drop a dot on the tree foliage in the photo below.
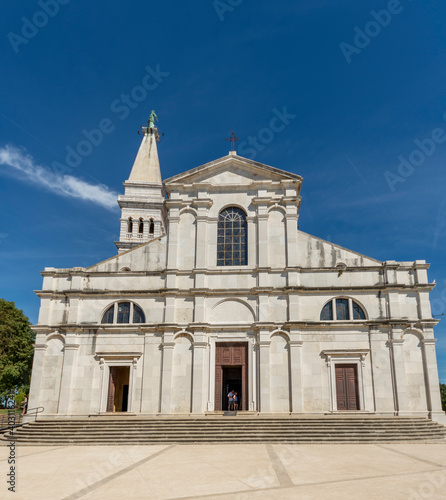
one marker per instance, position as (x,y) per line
(16,350)
(443,396)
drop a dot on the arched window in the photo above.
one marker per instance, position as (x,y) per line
(358,312)
(109,314)
(138,315)
(130,225)
(342,310)
(232,238)
(327,312)
(141,226)
(151,227)
(122,313)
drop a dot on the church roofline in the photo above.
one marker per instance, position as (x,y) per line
(246,161)
(126,251)
(344,248)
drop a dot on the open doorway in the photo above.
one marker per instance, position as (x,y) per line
(232,381)
(118,389)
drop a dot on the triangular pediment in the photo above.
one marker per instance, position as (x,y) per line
(231,169)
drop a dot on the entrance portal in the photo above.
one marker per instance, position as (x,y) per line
(118,389)
(231,373)
(347,387)
(232,381)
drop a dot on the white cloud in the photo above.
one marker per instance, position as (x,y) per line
(62,184)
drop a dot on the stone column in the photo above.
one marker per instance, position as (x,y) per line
(297,400)
(166,372)
(135,229)
(432,382)
(68,369)
(199,371)
(399,375)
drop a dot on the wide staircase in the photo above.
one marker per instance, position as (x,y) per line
(129,430)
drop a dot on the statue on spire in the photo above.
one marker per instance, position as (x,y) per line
(152,118)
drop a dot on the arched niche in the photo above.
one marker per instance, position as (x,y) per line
(232,311)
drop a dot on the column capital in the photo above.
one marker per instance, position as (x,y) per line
(428,341)
(296,343)
(167,345)
(396,341)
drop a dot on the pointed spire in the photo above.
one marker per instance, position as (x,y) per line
(146,167)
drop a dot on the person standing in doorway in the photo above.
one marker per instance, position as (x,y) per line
(235,404)
(230,400)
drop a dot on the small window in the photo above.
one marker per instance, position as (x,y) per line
(124,312)
(141,226)
(342,309)
(327,312)
(138,315)
(130,225)
(151,227)
(109,314)
(358,313)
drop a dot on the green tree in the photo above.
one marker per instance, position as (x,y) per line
(16,350)
(443,396)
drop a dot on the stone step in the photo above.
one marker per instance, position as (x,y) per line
(128,430)
(227,428)
(328,439)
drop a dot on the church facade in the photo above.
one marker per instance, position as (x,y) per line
(214,288)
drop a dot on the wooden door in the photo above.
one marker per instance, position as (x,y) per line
(347,387)
(111,389)
(231,354)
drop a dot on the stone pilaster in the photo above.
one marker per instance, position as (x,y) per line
(166,371)
(432,382)
(297,399)
(203,205)
(151,379)
(252,237)
(199,375)
(37,372)
(68,371)
(399,375)
(264,372)
(381,371)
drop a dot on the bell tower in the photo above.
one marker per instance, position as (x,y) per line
(143,214)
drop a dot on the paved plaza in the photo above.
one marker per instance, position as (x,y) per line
(232,471)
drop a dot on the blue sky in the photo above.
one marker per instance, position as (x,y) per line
(359,82)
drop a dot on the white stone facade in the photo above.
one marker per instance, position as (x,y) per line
(271,305)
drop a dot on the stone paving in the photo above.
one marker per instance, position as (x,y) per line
(259,471)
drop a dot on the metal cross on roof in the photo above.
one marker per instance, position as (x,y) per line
(232,139)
